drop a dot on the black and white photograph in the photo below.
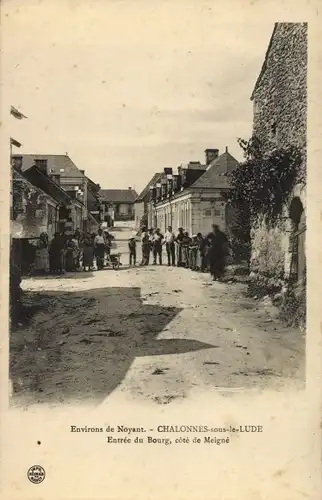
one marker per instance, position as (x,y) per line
(186,276)
(157,191)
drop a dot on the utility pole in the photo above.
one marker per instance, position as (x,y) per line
(19,116)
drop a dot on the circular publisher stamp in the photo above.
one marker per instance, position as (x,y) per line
(36,474)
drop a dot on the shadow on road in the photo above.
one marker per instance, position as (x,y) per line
(68,275)
(81,345)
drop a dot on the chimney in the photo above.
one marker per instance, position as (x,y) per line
(211,154)
(82,171)
(41,164)
(130,188)
(195,165)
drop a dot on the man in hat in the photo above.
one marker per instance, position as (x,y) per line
(132,250)
(157,246)
(145,245)
(170,247)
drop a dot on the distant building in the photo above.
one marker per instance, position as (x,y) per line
(142,201)
(34,210)
(38,206)
(279,121)
(192,199)
(118,203)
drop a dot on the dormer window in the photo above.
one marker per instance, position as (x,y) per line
(256,108)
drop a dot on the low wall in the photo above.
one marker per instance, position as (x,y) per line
(269,245)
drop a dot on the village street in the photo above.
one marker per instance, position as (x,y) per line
(155,333)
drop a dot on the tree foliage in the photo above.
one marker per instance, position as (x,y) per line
(263,182)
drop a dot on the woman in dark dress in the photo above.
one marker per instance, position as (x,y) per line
(56,251)
(217,252)
(70,256)
(88,252)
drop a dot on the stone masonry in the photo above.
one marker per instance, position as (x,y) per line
(279,121)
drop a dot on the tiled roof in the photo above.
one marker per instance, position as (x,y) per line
(40,180)
(56,164)
(216,173)
(118,195)
(146,190)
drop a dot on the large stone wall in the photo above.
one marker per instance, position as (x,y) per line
(280,101)
(280,114)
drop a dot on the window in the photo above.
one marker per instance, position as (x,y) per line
(256,108)
(216,212)
(208,213)
(273,129)
(50,214)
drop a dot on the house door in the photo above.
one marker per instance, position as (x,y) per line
(298,262)
(301,260)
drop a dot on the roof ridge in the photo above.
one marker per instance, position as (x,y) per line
(118,189)
(41,154)
(212,166)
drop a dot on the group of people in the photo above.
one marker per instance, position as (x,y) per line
(81,250)
(195,252)
(75,252)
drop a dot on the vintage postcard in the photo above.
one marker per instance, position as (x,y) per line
(160,250)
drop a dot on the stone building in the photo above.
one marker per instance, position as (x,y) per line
(119,203)
(192,198)
(37,207)
(33,210)
(63,172)
(279,121)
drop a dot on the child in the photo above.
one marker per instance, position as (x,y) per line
(132,250)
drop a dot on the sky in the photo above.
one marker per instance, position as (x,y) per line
(128,88)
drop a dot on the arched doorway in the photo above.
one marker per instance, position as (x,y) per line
(298,220)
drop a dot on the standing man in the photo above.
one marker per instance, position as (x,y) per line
(145,245)
(170,247)
(99,248)
(132,250)
(218,242)
(157,246)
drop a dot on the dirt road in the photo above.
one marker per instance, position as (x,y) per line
(154,333)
